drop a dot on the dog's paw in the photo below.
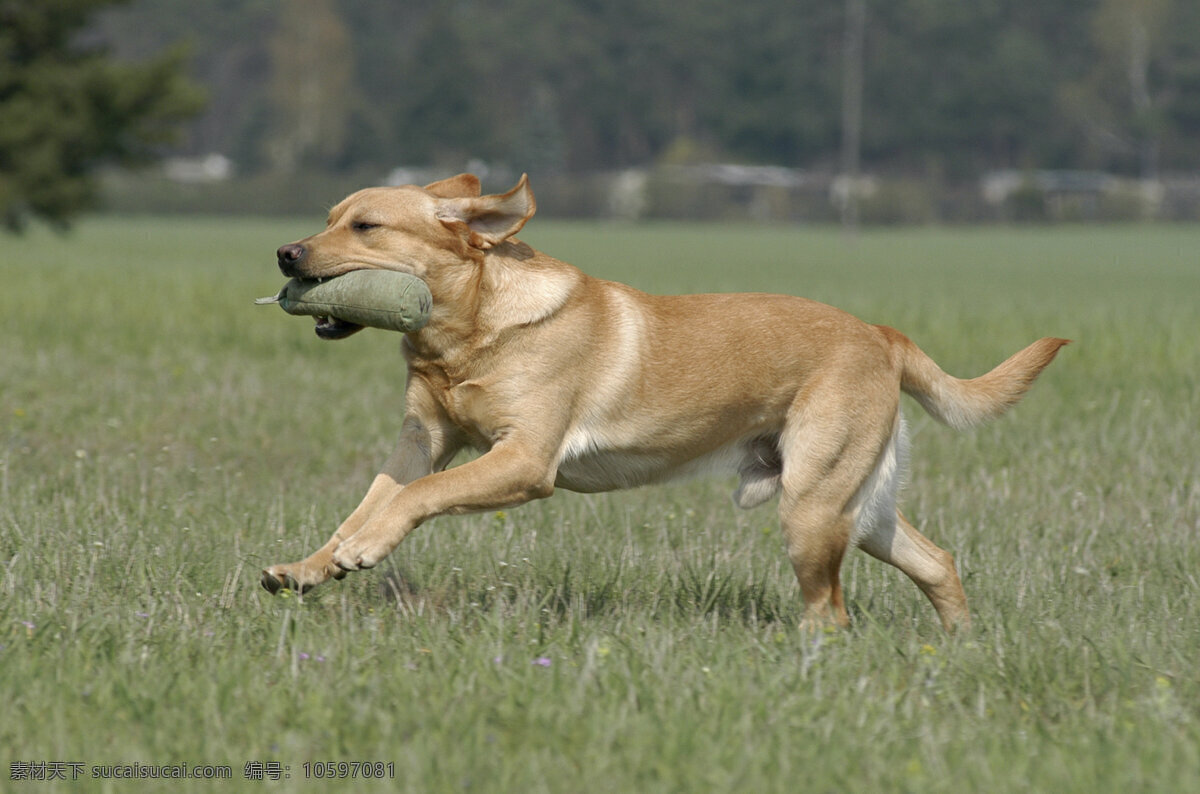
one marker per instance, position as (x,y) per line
(355,554)
(274,580)
(297,577)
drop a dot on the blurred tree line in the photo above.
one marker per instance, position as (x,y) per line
(933,89)
(948,88)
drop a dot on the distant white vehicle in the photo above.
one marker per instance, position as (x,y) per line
(209,168)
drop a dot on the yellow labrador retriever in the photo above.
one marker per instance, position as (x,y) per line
(563,380)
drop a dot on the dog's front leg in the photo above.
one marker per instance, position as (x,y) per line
(417,454)
(510,474)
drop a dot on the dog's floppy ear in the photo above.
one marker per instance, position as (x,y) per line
(461,186)
(490,220)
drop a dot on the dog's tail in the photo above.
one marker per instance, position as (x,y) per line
(963,403)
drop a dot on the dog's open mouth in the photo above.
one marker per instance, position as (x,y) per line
(331,328)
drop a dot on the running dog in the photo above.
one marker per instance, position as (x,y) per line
(562,380)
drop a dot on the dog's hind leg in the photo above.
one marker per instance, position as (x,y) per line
(930,567)
(826,459)
(817,540)
(883,532)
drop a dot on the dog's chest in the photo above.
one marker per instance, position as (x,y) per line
(470,407)
(463,401)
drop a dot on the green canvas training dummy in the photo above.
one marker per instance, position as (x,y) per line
(342,305)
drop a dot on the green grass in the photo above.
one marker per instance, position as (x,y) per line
(162,439)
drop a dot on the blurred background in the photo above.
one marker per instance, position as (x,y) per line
(859,111)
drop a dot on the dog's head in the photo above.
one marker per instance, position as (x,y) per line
(429,232)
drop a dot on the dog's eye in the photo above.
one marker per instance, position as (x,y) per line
(364,226)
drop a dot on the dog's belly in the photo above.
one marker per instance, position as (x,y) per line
(594,469)
(608,471)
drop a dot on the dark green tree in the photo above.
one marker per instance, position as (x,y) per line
(67,107)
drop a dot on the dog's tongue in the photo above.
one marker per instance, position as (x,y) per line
(331,328)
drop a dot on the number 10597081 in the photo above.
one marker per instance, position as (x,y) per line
(334,770)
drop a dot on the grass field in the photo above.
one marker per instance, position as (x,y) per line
(161,439)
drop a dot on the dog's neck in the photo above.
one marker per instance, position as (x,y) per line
(505,287)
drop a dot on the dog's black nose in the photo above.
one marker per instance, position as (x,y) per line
(289,255)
